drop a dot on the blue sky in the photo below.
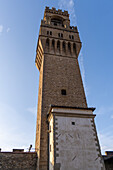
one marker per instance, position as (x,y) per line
(19,28)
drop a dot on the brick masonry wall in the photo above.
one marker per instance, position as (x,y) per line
(18,161)
(59,73)
(59,69)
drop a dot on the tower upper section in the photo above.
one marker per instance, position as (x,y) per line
(56,17)
(56,36)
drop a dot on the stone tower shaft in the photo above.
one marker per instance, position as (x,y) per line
(60,81)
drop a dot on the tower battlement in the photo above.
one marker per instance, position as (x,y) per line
(56,17)
(54,11)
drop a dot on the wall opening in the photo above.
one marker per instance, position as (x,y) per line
(74,48)
(73,123)
(58,45)
(63,92)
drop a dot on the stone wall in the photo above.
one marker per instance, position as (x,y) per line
(18,161)
(73,140)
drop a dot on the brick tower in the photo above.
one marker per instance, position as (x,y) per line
(63,119)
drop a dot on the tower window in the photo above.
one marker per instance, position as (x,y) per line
(60,35)
(73,123)
(64,46)
(58,45)
(74,48)
(71,37)
(47,42)
(63,92)
(53,43)
(56,21)
(49,32)
(69,46)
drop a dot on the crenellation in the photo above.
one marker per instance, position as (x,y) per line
(59,11)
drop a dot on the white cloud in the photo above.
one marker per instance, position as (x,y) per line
(70,6)
(32,110)
(8,29)
(1,28)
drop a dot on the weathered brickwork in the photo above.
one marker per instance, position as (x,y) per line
(57,52)
(18,161)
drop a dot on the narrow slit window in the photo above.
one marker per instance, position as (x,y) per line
(64,45)
(58,45)
(63,92)
(69,46)
(59,34)
(70,36)
(74,48)
(47,42)
(53,43)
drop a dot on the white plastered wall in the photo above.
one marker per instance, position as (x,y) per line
(51,144)
(77,145)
